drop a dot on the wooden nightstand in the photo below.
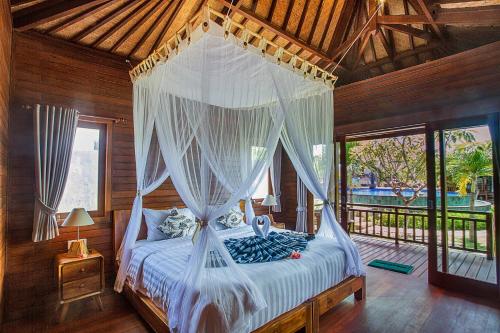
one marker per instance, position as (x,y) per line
(278,225)
(79,278)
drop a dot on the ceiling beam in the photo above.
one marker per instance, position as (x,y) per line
(344,46)
(315,22)
(488,15)
(50,10)
(437,30)
(343,25)
(362,47)
(151,28)
(77,18)
(383,40)
(133,13)
(302,18)
(409,31)
(277,30)
(136,25)
(405,54)
(168,24)
(328,24)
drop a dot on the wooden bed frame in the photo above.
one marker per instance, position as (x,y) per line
(305,315)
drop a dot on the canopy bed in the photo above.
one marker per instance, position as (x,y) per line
(209,111)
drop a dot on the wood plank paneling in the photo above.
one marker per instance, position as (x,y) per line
(5,60)
(46,71)
(54,72)
(461,85)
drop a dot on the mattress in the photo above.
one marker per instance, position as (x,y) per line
(285,284)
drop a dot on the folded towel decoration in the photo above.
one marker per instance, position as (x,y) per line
(264,231)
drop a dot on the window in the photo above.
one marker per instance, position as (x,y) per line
(263,187)
(86,186)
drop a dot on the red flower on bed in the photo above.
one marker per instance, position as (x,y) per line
(295,255)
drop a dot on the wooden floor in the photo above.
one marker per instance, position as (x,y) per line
(395,303)
(462,263)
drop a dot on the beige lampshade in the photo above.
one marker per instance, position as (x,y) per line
(78,218)
(269,200)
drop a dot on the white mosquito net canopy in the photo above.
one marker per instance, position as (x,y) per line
(210,118)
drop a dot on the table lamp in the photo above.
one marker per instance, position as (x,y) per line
(269,200)
(78,218)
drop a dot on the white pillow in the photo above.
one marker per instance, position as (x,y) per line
(153,219)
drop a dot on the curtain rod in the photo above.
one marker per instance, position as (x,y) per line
(120,120)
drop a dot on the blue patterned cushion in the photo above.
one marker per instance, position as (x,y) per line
(177,225)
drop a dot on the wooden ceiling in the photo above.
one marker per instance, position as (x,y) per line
(403,33)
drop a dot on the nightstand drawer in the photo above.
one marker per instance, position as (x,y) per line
(81,287)
(80,270)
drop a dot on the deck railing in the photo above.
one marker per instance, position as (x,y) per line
(466,230)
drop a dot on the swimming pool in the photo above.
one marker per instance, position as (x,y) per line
(385,196)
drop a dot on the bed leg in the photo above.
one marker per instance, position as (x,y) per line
(312,322)
(360,294)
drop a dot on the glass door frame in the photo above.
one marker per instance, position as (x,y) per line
(436,277)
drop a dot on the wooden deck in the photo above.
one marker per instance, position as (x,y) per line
(468,264)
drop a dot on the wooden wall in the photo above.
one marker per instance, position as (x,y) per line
(5,56)
(461,85)
(54,72)
(46,71)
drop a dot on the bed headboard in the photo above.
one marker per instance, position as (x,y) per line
(120,222)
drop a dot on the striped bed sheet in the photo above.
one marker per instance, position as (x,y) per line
(285,284)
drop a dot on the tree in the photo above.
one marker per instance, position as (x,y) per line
(466,164)
(398,162)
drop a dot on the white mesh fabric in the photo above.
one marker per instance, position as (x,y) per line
(218,117)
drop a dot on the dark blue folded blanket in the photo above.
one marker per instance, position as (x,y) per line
(276,246)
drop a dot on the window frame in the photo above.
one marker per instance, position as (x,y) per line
(105,127)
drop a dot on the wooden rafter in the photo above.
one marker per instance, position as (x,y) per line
(328,24)
(383,40)
(411,40)
(488,15)
(50,10)
(137,24)
(403,55)
(362,46)
(287,15)
(124,7)
(77,18)
(271,10)
(167,25)
(344,24)
(315,22)
(302,18)
(277,30)
(407,30)
(345,45)
(437,30)
(151,28)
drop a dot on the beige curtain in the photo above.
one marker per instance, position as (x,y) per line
(54,132)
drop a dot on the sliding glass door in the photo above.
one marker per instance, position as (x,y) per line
(463,186)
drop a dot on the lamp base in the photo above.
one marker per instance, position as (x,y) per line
(78,249)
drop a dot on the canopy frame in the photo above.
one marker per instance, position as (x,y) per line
(162,53)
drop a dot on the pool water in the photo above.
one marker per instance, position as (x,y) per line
(385,196)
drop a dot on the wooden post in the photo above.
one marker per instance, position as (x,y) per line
(431,203)
(343,184)
(489,236)
(397,226)
(444,202)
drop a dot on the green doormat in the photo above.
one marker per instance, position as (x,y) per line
(391,266)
